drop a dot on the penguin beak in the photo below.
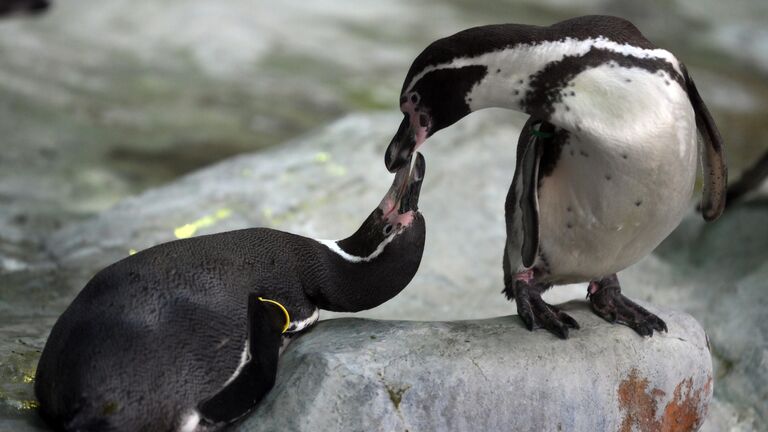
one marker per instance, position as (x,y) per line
(401,147)
(410,199)
(403,195)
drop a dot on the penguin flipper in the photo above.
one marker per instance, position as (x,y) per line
(257,375)
(529,199)
(712,155)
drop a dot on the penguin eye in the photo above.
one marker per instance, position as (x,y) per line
(387,229)
(415,98)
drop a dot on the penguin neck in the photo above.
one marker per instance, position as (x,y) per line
(508,78)
(529,77)
(350,282)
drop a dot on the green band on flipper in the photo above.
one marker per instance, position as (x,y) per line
(540,134)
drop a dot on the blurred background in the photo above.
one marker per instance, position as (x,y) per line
(128,123)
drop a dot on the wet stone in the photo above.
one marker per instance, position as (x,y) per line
(605,377)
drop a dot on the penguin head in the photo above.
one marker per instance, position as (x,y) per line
(396,221)
(432,99)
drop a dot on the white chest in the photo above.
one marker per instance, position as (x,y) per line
(624,180)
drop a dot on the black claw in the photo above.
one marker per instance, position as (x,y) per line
(527,318)
(609,304)
(536,313)
(659,325)
(570,322)
(648,330)
(509,292)
(529,325)
(560,331)
(638,328)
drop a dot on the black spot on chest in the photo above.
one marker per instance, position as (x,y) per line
(548,83)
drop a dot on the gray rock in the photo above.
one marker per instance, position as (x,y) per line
(493,374)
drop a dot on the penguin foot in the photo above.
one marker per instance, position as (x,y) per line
(608,303)
(535,312)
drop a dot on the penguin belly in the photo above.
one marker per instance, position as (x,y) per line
(612,198)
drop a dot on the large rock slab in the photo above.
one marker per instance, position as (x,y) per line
(493,374)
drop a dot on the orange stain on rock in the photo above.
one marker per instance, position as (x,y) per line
(688,408)
(685,412)
(639,406)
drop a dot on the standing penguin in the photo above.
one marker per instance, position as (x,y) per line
(186,335)
(606,163)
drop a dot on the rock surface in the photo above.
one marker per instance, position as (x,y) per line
(493,374)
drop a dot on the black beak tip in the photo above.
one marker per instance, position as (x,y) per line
(419,168)
(401,147)
(390,163)
(394,164)
(410,200)
(393,159)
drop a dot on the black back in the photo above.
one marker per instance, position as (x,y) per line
(154,334)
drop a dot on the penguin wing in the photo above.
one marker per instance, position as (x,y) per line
(257,374)
(712,155)
(529,151)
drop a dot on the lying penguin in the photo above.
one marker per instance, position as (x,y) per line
(606,163)
(186,335)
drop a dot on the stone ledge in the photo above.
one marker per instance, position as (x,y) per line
(358,374)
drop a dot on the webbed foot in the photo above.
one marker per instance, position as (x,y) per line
(608,303)
(533,310)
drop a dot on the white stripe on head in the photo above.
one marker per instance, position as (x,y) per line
(522,60)
(333,245)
